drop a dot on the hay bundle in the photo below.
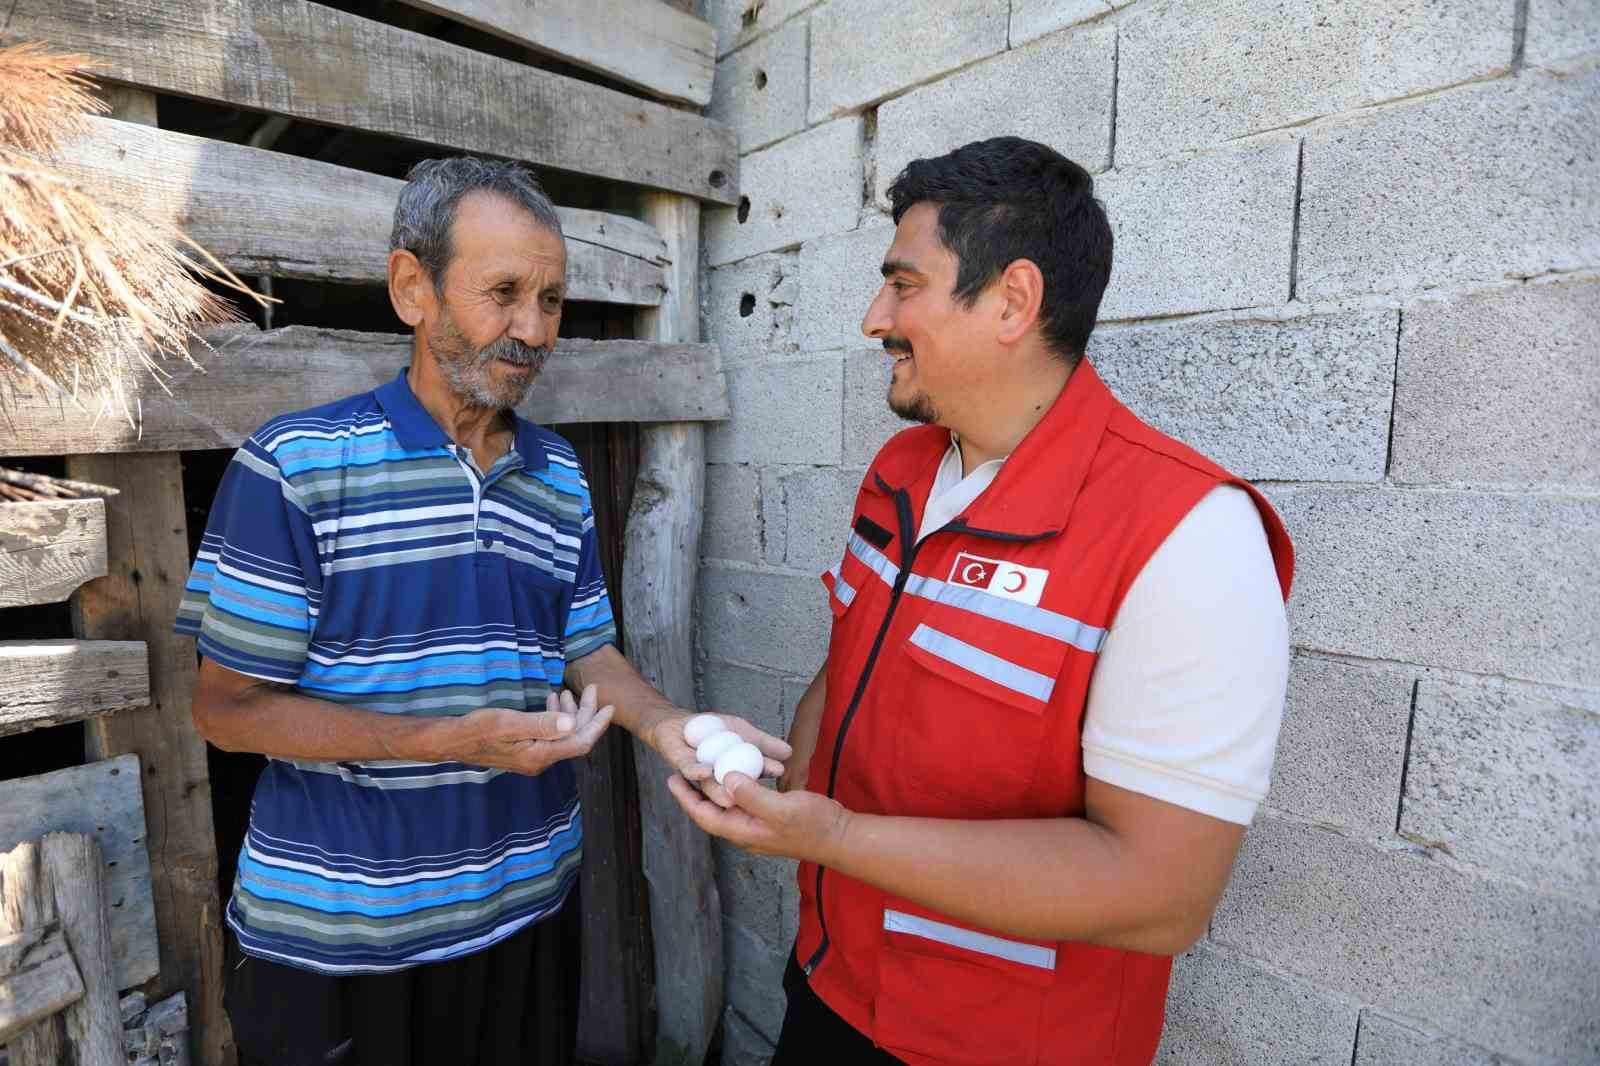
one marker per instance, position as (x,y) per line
(89,292)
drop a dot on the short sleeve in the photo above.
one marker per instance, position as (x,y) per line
(252,597)
(590,625)
(1187,697)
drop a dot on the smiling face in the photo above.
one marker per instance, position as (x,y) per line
(493,318)
(943,350)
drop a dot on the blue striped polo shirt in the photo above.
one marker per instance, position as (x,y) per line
(355,553)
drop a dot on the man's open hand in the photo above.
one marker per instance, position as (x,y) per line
(667,738)
(529,743)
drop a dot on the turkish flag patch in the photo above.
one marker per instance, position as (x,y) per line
(1025,584)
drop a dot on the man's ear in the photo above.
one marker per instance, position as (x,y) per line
(1021,287)
(410,288)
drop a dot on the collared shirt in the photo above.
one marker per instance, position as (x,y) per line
(356,553)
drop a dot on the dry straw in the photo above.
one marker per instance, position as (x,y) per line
(91,294)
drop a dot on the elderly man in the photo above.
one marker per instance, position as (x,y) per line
(394,596)
(1059,655)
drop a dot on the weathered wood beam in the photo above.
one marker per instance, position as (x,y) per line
(66,872)
(642,43)
(658,584)
(52,682)
(301,59)
(253,376)
(103,800)
(37,978)
(49,547)
(264,212)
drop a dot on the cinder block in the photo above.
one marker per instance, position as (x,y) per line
(749,312)
(1480,183)
(817,503)
(751,888)
(1494,963)
(1205,234)
(754,979)
(761,90)
(797,189)
(1561,31)
(1283,64)
(868,422)
(780,621)
(1032,19)
(739,22)
(1505,778)
(1057,92)
(754,695)
(785,412)
(1268,398)
(1223,1011)
(1383,1041)
(732,524)
(861,53)
(839,277)
(1487,582)
(1341,753)
(774,526)
(742,1045)
(1500,386)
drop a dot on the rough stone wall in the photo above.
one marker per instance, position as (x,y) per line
(1358,261)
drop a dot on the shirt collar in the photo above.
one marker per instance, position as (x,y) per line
(416,430)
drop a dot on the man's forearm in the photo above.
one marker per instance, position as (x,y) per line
(273,720)
(1063,879)
(640,706)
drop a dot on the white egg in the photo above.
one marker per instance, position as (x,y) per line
(742,757)
(700,727)
(711,748)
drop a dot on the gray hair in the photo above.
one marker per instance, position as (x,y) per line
(434,189)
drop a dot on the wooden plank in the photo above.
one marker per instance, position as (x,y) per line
(148,547)
(49,547)
(101,799)
(256,375)
(52,682)
(26,903)
(37,979)
(301,59)
(75,873)
(265,212)
(658,585)
(642,43)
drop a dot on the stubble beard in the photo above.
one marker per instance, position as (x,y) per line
(467,370)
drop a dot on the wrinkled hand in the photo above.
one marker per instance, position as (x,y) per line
(798,825)
(530,743)
(667,738)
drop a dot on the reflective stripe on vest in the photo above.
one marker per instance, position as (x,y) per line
(1001,671)
(1024,616)
(970,940)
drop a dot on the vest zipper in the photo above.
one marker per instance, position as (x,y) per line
(902,506)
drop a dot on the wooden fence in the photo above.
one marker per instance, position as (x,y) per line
(270,214)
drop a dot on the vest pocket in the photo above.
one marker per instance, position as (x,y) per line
(943,987)
(974,702)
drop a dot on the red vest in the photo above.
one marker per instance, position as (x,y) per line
(957,678)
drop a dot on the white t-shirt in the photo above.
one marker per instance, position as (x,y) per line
(1187,696)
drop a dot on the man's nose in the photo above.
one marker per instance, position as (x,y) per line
(534,325)
(877,321)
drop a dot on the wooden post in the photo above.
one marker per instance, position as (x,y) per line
(658,582)
(148,562)
(26,903)
(64,874)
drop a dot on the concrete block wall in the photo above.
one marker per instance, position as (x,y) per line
(1358,261)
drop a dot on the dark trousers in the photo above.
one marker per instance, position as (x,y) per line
(815,1036)
(516,1002)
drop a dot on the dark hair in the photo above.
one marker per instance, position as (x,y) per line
(433,191)
(1006,199)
